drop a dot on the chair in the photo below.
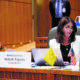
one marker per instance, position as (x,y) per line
(41,42)
(52,34)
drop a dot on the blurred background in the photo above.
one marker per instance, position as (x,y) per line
(21,21)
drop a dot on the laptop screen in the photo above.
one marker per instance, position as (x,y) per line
(39,53)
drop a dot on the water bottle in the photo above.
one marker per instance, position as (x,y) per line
(77,21)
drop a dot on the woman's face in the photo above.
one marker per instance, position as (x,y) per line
(68,29)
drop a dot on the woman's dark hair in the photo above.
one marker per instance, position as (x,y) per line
(60,33)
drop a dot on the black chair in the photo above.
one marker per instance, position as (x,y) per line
(52,34)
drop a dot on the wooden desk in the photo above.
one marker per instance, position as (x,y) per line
(41,42)
(38,74)
(26,47)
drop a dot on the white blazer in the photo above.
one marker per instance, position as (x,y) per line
(75,45)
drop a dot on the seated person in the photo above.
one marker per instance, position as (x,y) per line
(65,39)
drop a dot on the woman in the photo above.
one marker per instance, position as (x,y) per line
(66,39)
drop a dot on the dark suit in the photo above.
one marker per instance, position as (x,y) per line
(66,5)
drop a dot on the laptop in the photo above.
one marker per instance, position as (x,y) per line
(39,54)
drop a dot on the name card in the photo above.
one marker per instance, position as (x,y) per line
(15,59)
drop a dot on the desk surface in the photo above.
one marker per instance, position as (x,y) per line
(26,47)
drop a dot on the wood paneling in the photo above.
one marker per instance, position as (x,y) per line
(43,17)
(28,1)
(41,42)
(15,22)
(75,4)
(75,8)
(25,1)
(38,74)
(75,13)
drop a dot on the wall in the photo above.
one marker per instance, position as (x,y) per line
(42,18)
(42,15)
(75,8)
(15,21)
